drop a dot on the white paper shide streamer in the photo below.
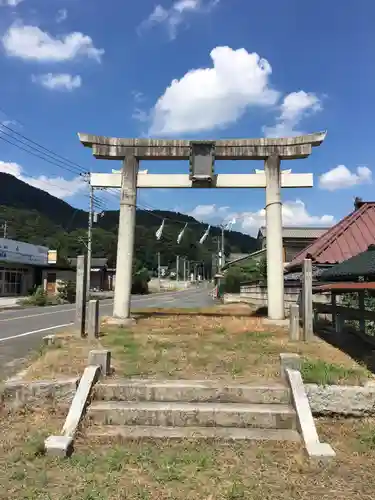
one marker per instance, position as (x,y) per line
(204,237)
(159,232)
(230,223)
(180,236)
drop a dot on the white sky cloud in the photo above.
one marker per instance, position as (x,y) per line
(140,115)
(31,43)
(61,15)
(10,3)
(56,186)
(176,15)
(208,98)
(201,212)
(7,123)
(60,81)
(294,213)
(341,177)
(295,107)
(138,96)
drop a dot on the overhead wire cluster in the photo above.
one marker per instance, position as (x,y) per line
(100,203)
(15,138)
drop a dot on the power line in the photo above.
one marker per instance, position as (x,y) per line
(49,152)
(48,184)
(46,159)
(38,150)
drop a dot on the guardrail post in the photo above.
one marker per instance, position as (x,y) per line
(307,301)
(93,320)
(81,273)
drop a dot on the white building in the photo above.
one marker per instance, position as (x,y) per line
(21,266)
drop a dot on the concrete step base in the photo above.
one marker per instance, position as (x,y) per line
(128,432)
(265,416)
(190,391)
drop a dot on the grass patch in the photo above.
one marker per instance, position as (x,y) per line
(187,351)
(181,470)
(66,358)
(366,438)
(215,343)
(323,373)
(205,345)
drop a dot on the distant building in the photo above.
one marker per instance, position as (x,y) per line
(295,239)
(101,277)
(351,236)
(21,266)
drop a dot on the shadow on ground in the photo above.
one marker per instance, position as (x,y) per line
(347,341)
(251,313)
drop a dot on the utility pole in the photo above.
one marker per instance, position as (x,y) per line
(89,238)
(159,271)
(5,228)
(177,267)
(222,261)
(185,269)
(218,254)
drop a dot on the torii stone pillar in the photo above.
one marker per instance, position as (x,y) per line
(202,156)
(274,239)
(125,242)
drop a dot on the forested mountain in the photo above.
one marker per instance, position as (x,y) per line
(35,216)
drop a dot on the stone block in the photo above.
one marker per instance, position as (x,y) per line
(101,358)
(49,340)
(190,391)
(289,360)
(341,400)
(266,416)
(58,446)
(79,403)
(137,432)
(320,452)
(19,392)
(121,322)
(276,322)
(306,425)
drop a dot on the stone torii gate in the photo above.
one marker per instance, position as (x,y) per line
(201,156)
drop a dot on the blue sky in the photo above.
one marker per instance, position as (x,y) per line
(193,69)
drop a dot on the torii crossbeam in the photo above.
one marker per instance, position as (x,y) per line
(202,156)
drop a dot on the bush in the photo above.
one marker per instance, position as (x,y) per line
(139,285)
(233,279)
(31,290)
(67,291)
(39,298)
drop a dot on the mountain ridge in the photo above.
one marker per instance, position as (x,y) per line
(35,216)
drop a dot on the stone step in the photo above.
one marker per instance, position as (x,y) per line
(129,432)
(266,416)
(190,391)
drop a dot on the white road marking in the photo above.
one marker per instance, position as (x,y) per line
(35,315)
(44,313)
(146,298)
(170,299)
(35,331)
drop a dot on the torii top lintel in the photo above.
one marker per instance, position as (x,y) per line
(287,148)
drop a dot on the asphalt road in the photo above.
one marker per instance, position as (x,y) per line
(21,330)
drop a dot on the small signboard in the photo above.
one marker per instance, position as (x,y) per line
(52,257)
(22,253)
